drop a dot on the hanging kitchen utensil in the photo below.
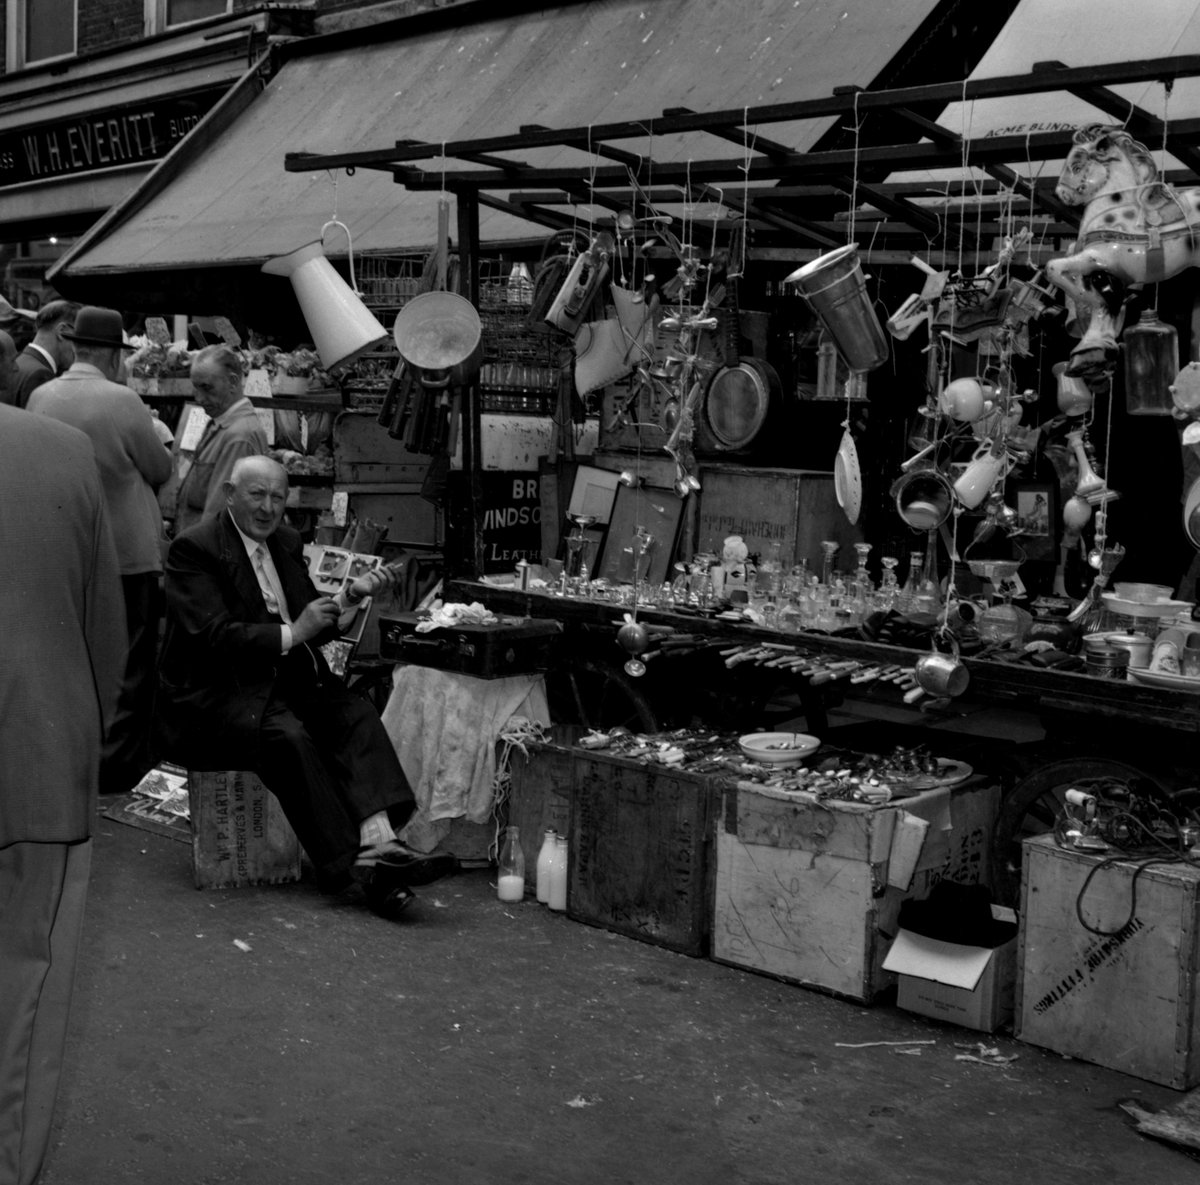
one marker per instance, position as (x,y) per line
(923,498)
(847,476)
(583,280)
(743,393)
(342,327)
(439,335)
(835,288)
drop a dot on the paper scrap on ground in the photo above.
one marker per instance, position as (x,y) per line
(985,1055)
(870,1044)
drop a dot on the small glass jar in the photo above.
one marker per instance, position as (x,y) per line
(1151,366)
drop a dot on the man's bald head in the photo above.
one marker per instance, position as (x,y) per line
(256,494)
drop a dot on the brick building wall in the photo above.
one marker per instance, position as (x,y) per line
(104,24)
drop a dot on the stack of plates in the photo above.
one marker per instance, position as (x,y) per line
(1156,608)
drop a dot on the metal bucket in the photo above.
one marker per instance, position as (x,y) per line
(439,334)
(834,285)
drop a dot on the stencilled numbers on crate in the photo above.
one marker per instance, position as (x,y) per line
(966,861)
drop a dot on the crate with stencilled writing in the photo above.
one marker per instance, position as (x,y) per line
(640,843)
(1108,963)
(810,891)
(508,646)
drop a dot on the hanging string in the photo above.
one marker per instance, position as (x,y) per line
(712,251)
(1167,86)
(333,173)
(850,226)
(748,143)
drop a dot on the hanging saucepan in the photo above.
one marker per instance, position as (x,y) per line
(738,403)
(923,498)
(439,335)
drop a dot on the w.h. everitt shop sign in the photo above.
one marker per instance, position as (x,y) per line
(100,140)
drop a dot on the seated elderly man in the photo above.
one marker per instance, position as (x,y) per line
(244,686)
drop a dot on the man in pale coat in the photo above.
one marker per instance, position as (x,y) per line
(62,652)
(133,462)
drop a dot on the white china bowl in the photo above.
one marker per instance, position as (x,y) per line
(778,748)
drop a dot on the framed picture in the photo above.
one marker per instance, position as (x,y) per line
(658,511)
(593,494)
(1037,518)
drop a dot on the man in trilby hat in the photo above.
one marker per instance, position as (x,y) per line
(133,462)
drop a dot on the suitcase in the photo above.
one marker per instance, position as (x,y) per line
(510,646)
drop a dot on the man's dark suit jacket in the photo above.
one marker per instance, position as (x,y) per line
(32,372)
(222,653)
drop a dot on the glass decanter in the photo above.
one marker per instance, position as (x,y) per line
(1003,622)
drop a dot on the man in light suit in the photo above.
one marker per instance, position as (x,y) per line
(243,685)
(133,463)
(62,652)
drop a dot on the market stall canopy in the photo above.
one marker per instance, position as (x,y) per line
(206,218)
(1040,35)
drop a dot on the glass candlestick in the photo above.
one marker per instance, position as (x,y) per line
(576,569)
(889,586)
(829,549)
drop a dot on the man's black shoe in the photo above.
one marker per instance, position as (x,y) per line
(405,863)
(388,897)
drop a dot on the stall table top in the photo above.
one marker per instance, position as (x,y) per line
(993,681)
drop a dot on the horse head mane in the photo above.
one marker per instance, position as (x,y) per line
(1109,143)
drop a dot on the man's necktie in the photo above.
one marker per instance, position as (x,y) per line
(272,592)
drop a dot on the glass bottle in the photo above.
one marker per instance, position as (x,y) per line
(510,879)
(767,579)
(1151,365)
(912,582)
(557,897)
(544,860)
(929,590)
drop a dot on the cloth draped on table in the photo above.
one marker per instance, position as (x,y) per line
(445,727)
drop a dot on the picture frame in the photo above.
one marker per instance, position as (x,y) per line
(660,512)
(1037,515)
(594,493)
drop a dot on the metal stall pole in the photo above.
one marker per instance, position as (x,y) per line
(470,534)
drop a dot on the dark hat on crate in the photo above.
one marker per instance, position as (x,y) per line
(957,913)
(98,327)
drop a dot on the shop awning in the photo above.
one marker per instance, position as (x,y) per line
(208,216)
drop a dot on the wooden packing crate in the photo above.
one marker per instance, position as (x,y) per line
(640,837)
(239,833)
(796,508)
(1126,1000)
(811,892)
(539,794)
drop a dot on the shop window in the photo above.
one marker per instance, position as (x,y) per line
(39,30)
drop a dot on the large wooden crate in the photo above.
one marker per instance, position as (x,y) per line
(1126,999)
(811,892)
(239,833)
(796,508)
(640,839)
(539,794)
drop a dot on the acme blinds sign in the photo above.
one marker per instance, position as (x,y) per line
(103,140)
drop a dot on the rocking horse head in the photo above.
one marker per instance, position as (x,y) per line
(1103,159)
